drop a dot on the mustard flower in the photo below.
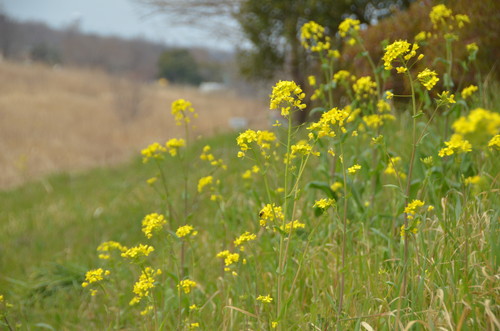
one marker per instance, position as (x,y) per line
(333,117)
(152,223)
(174,144)
(301,148)
(494,143)
(94,276)
(204,181)
(343,76)
(287,94)
(138,251)
(324,203)
(181,109)
(292,225)
(428,78)
(348,26)
(472,180)
(364,87)
(243,238)
(422,35)
(389,95)
(478,127)
(186,230)
(186,285)
(393,167)
(468,91)
(456,144)
(229,258)
(375,121)
(271,213)
(153,151)
(336,186)
(383,106)
(262,138)
(145,283)
(265,298)
(312,80)
(151,180)
(352,170)
(472,49)
(108,246)
(412,208)
(312,37)
(401,51)
(461,20)
(147,310)
(439,15)
(194,325)
(445,98)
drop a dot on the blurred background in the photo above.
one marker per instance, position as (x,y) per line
(88,83)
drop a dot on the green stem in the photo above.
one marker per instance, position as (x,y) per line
(344,231)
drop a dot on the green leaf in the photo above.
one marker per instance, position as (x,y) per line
(317,110)
(322,186)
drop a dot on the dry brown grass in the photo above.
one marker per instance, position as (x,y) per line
(68,119)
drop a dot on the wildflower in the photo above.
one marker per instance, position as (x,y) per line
(445,98)
(468,91)
(472,180)
(352,170)
(94,276)
(389,95)
(245,237)
(138,251)
(271,213)
(478,127)
(342,76)
(392,167)
(153,151)
(456,144)
(364,87)
(348,26)
(152,222)
(439,14)
(193,307)
(265,298)
(301,148)
(109,246)
(375,121)
(174,144)
(145,283)
(472,49)
(422,35)
(336,186)
(428,78)
(324,203)
(323,127)
(377,140)
(428,161)
(383,106)
(204,181)
(313,38)
(194,325)
(147,310)
(247,174)
(399,50)
(181,109)
(152,180)
(461,20)
(186,285)
(229,258)
(292,225)
(287,94)
(412,207)
(186,230)
(262,138)
(274,324)
(494,143)
(401,70)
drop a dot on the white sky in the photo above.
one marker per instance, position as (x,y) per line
(124,18)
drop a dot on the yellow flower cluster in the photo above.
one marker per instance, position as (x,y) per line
(324,203)
(181,109)
(301,148)
(412,208)
(375,121)
(207,156)
(352,170)
(428,78)
(494,142)
(445,98)
(262,138)
(245,237)
(153,151)
(186,230)
(468,91)
(271,213)
(229,258)
(348,26)
(248,173)
(138,251)
(442,17)
(287,94)
(312,36)
(364,87)
(186,285)
(393,167)
(292,225)
(478,127)
(152,223)
(456,144)
(145,283)
(401,51)
(108,246)
(472,180)
(323,127)
(204,181)
(265,298)
(343,76)
(174,144)
(94,276)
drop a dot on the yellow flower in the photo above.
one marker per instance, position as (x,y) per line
(324,203)
(153,151)
(286,94)
(312,80)
(152,180)
(108,246)
(204,181)
(181,109)
(468,91)
(262,138)
(439,15)
(138,251)
(194,325)
(336,186)
(292,225)
(364,87)
(354,169)
(94,276)
(265,298)
(229,258)
(389,95)
(151,223)
(478,127)
(186,230)
(333,117)
(174,144)
(271,213)
(456,144)
(313,38)
(494,143)
(428,78)
(393,167)
(193,307)
(186,285)
(145,283)
(342,76)
(412,207)
(399,51)
(348,26)
(401,70)
(445,98)
(245,237)
(472,180)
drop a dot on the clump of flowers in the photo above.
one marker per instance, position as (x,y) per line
(442,18)
(174,144)
(203,182)
(94,276)
(428,78)
(330,119)
(144,285)
(364,87)
(271,213)
(181,109)
(244,238)
(468,91)
(138,251)
(413,207)
(107,247)
(186,285)
(312,36)
(152,223)
(292,226)
(265,298)
(153,151)
(456,144)
(349,27)
(206,155)
(324,203)
(287,94)
(352,170)
(262,138)
(399,51)
(393,167)
(494,143)
(185,231)
(229,258)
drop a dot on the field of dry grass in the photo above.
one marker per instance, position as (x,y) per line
(69,119)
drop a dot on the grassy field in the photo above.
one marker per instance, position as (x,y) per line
(380,213)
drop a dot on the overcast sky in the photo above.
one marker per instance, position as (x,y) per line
(124,18)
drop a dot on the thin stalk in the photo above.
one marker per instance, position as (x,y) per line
(344,231)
